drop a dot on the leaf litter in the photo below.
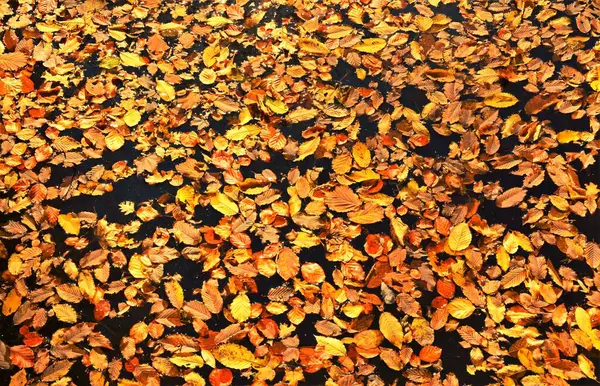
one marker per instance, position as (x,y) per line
(255,190)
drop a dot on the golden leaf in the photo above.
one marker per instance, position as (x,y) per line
(191,361)
(70,223)
(501,100)
(370,45)
(131,59)
(234,356)
(391,329)
(223,204)
(461,308)
(332,346)
(276,106)
(308,148)
(114,140)
(174,293)
(65,313)
(132,118)
(460,237)
(242,132)
(313,46)
(301,115)
(586,366)
(211,297)
(165,91)
(361,154)
(371,213)
(240,308)
(583,320)
(11,303)
(208,76)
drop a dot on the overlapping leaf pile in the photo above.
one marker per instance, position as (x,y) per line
(285,192)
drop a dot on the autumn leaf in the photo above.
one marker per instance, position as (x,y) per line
(501,100)
(165,91)
(391,329)
(460,308)
(224,204)
(370,45)
(276,106)
(511,197)
(332,346)
(174,293)
(371,213)
(430,353)
(342,199)
(234,356)
(12,61)
(313,46)
(132,117)
(65,313)
(22,356)
(70,223)
(11,303)
(460,237)
(240,308)
(361,154)
(288,264)
(131,59)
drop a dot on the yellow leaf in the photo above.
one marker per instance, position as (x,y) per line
(114,140)
(391,329)
(174,293)
(69,293)
(208,76)
(332,346)
(187,195)
(165,91)
(223,204)
(301,115)
(503,258)
(127,207)
(461,308)
(109,62)
(190,361)
(131,59)
(567,136)
(501,100)
(276,106)
(240,308)
(423,23)
(132,118)
(370,45)
(460,237)
(218,21)
(11,303)
(240,133)
(234,356)
(583,320)
(65,313)
(361,154)
(308,148)
(313,46)
(586,366)
(70,223)
(371,213)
